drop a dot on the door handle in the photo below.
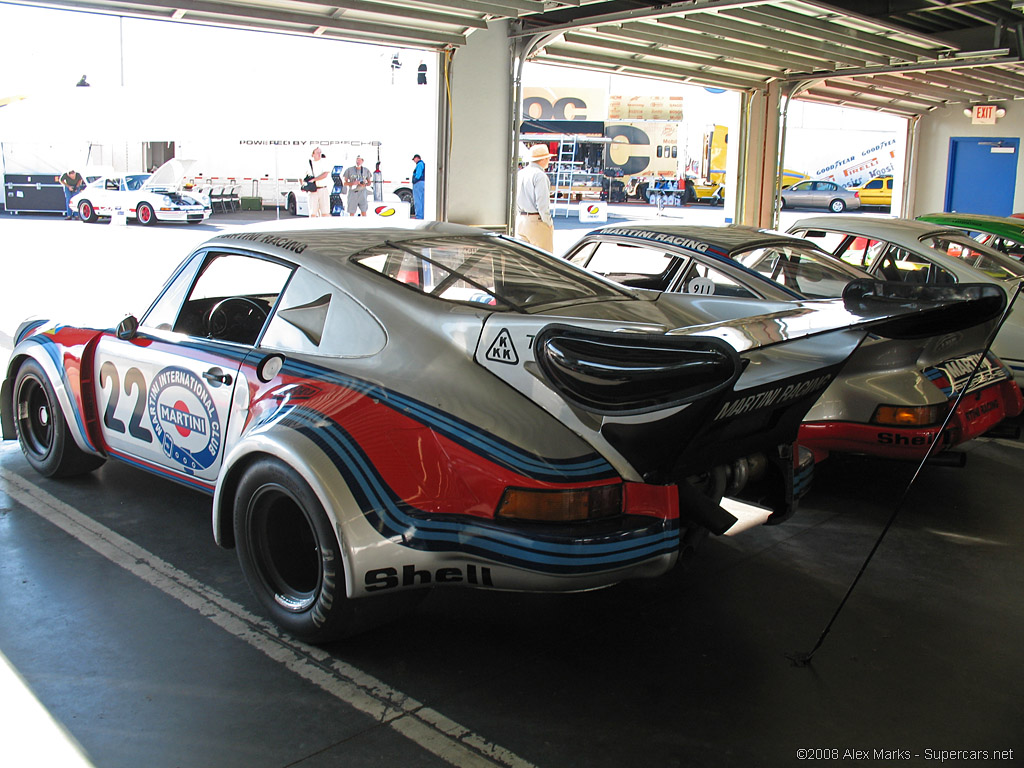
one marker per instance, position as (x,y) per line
(217,376)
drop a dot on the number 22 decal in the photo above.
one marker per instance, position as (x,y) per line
(135,382)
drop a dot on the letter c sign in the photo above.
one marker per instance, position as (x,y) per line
(568,108)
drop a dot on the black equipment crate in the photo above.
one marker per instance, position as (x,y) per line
(36,192)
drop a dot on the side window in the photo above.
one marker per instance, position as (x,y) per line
(634,265)
(164,312)
(827,241)
(231,298)
(316,317)
(906,267)
(860,251)
(581,256)
(874,184)
(703,280)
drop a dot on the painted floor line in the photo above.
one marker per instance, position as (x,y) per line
(424,726)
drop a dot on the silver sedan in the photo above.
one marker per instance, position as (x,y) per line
(813,193)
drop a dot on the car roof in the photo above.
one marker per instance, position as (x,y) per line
(324,248)
(725,240)
(979,222)
(907,230)
(910,234)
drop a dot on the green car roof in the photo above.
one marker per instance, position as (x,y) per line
(977,222)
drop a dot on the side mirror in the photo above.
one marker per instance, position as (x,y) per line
(127,328)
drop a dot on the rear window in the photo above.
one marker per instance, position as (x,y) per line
(990,262)
(801,269)
(486,271)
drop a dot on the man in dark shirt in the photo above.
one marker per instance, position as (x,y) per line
(73,183)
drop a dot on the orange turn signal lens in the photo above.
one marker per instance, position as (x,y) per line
(907,415)
(569,506)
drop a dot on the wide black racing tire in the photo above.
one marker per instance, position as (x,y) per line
(43,431)
(292,558)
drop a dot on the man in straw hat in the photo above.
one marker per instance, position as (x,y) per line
(533,195)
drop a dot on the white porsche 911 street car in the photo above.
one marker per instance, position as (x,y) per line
(378,410)
(145,197)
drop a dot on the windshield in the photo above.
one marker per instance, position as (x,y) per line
(135,181)
(485,270)
(989,261)
(800,268)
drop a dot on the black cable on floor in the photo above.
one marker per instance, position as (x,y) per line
(803,658)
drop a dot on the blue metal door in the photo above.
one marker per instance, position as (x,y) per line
(982,175)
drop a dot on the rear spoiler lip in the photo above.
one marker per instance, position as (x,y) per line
(888,309)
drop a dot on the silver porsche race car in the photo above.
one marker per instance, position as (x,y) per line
(377,410)
(891,400)
(922,252)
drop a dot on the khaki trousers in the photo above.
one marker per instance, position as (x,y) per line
(533,230)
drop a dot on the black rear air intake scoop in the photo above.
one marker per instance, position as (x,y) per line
(630,373)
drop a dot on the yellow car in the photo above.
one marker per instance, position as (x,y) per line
(878,191)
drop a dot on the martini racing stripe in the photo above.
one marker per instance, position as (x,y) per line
(28,329)
(491,447)
(392,517)
(165,472)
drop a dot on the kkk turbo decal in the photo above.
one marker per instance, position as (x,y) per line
(184,418)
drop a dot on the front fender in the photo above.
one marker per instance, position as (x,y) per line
(49,354)
(305,458)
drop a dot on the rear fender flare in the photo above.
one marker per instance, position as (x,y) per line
(302,456)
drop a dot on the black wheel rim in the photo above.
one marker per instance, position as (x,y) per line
(35,417)
(284,547)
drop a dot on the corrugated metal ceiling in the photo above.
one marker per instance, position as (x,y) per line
(837,56)
(865,54)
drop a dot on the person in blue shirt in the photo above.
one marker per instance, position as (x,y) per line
(419,179)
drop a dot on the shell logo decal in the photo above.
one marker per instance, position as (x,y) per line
(384,210)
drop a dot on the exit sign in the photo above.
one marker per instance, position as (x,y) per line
(983,114)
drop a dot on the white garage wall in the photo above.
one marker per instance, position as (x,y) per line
(481,84)
(935,130)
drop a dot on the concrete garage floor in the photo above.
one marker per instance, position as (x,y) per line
(143,648)
(139,638)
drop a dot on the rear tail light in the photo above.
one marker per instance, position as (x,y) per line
(562,506)
(908,415)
